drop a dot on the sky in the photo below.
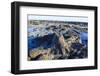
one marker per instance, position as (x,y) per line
(58,18)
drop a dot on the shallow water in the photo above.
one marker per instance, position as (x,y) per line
(46,41)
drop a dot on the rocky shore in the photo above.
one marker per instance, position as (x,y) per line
(57,41)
